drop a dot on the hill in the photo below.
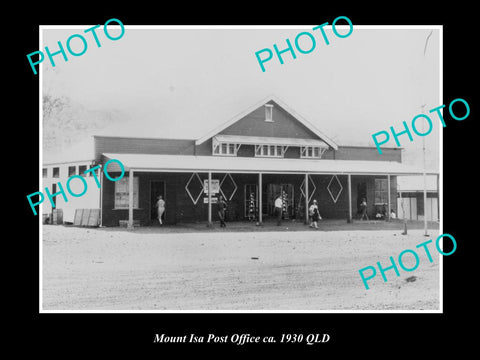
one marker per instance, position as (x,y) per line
(67,123)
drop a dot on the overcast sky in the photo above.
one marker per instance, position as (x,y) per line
(184,82)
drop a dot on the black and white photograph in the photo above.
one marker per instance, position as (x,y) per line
(237,184)
(222,187)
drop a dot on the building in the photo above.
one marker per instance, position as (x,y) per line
(265,151)
(410,201)
(59,172)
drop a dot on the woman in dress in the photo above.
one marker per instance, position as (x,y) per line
(314,214)
(160,208)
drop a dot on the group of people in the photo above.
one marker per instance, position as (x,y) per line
(313,212)
(379,215)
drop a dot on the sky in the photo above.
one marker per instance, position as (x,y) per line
(182,82)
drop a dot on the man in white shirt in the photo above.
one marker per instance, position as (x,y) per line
(278,209)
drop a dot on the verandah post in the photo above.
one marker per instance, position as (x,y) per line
(388,194)
(349,178)
(306,199)
(260,198)
(210,223)
(130,199)
(438,197)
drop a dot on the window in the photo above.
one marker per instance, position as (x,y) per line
(72,170)
(91,172)
(381,191)
(227,149)
(269,150)
(44,172)
(121,193)
(312,152)
(56,172)
(82,169)
(268,113)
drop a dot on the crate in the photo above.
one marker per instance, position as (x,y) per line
(57,217)
(87,217)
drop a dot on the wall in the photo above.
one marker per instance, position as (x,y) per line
(283,125)
(365,153)
(180,207)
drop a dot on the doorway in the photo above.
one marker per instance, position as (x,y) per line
(286,191)
(361,193)
(157,188)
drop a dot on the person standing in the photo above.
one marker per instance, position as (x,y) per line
(363,206)
(160,208)
(314,214)
(278,209)
(222,207)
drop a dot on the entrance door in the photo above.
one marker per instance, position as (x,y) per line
(361,193)
(157,188)
(432,209)
(413,209)
(286,191)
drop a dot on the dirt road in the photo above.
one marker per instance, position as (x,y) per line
(114,269)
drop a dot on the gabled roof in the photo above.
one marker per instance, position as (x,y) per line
(247,111)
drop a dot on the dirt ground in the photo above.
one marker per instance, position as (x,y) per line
(164,269)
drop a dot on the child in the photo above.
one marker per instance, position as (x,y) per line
(392,214)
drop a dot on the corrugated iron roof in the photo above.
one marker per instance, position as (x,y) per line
(222,164)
